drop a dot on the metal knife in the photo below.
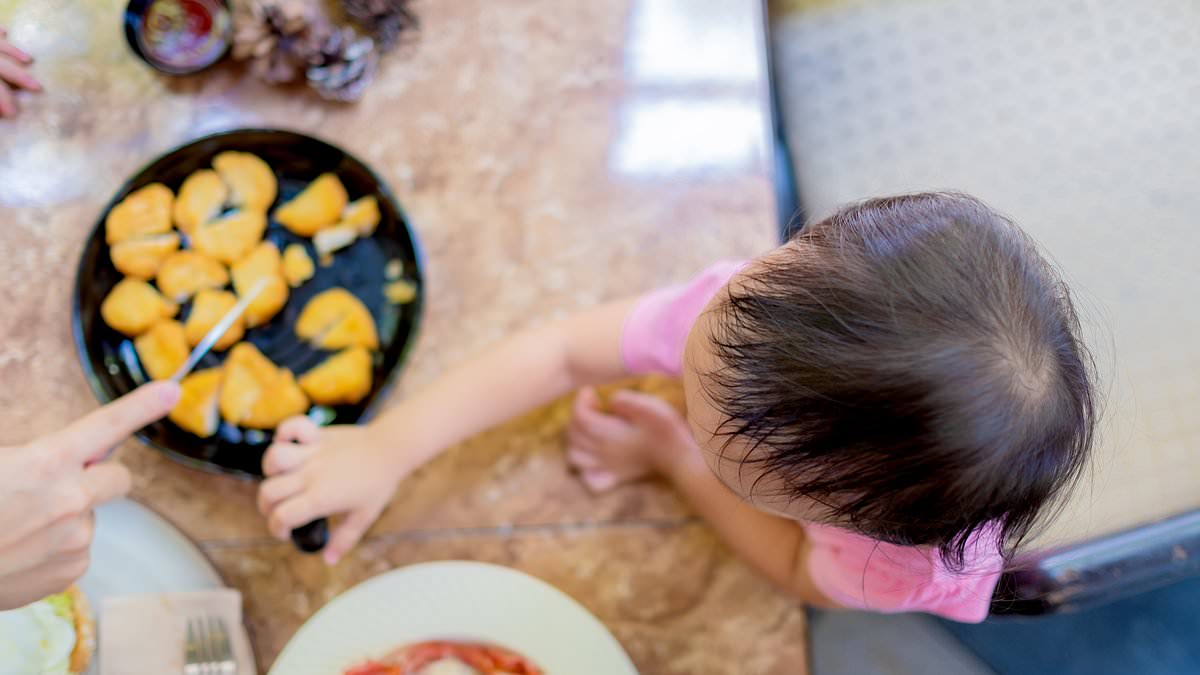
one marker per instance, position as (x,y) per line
(218,330)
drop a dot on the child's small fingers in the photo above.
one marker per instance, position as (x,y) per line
(582,459)
(579,433)
(285,457)
(627,403)
(299,429)
(275,490)
(293,513)
(599,480)
(347,534)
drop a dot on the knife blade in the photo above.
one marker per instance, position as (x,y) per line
(215,333)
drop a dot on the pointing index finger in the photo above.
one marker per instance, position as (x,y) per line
(90,437)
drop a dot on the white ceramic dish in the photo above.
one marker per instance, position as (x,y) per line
(136,551)
(457,600)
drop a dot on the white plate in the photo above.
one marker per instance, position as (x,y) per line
(457,600)
(136,551)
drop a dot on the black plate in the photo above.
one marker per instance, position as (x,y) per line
(110,362)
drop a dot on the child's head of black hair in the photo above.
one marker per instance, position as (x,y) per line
(912,364)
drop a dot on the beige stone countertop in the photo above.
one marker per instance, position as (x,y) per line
(550,155)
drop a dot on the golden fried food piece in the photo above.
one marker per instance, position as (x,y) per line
(333,238)
(257,394)
(335,319)
(400,292)
(251,181)
(208,308)
(318,206)
(232,237)
(133,306)
(141,258)
(201,198)
(185,272)
(262,263)
(344,378)
(362,214)
(143,212)
(162,349)
(197,408)
(297,266)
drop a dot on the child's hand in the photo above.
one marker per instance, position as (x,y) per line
(643,436)
(14,74)
(314,472)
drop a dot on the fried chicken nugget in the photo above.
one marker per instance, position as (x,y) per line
(262,263)
(335,319)
(208,308)
(344,378)
(197,408)
(143,212)
(316,207)
(162,349)
(133,306)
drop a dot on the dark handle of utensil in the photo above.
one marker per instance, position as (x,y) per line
(312,537)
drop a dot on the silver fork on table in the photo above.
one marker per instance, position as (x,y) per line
(207,649)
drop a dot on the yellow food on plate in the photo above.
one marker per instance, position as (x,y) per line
(231,237)
(333,238)
(196,411)
(142,257)
(144,212)
(343,378)
(133,306)
(336,319)
(185,272)
(362,214)
(316,207)
(297,266)
(400,292)
(251,181)
(162,349)
(200,199)
(257,394)
(262,263)
(208,308)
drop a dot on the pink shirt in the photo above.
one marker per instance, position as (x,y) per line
(850,569)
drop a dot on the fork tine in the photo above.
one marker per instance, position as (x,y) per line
(210,658)
(191,650)
(221,648)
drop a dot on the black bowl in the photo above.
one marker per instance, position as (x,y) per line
(111,364)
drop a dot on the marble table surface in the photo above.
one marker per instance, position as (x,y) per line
(551,154)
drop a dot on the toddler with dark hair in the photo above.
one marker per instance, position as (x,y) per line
(878,411)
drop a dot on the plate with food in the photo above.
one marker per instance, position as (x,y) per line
(134,552)
(336,274)
(453,618)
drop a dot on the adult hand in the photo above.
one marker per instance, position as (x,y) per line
(49,486)
(14,74)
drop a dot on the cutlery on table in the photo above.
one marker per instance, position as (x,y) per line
(207,649)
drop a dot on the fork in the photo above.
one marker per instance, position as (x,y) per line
(206,649)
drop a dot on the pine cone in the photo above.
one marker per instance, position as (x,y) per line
(343,66)
(278,37)
(382,19)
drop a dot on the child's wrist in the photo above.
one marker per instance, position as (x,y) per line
(679,459)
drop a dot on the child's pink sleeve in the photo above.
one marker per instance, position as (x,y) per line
(657,327)
(860,573)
